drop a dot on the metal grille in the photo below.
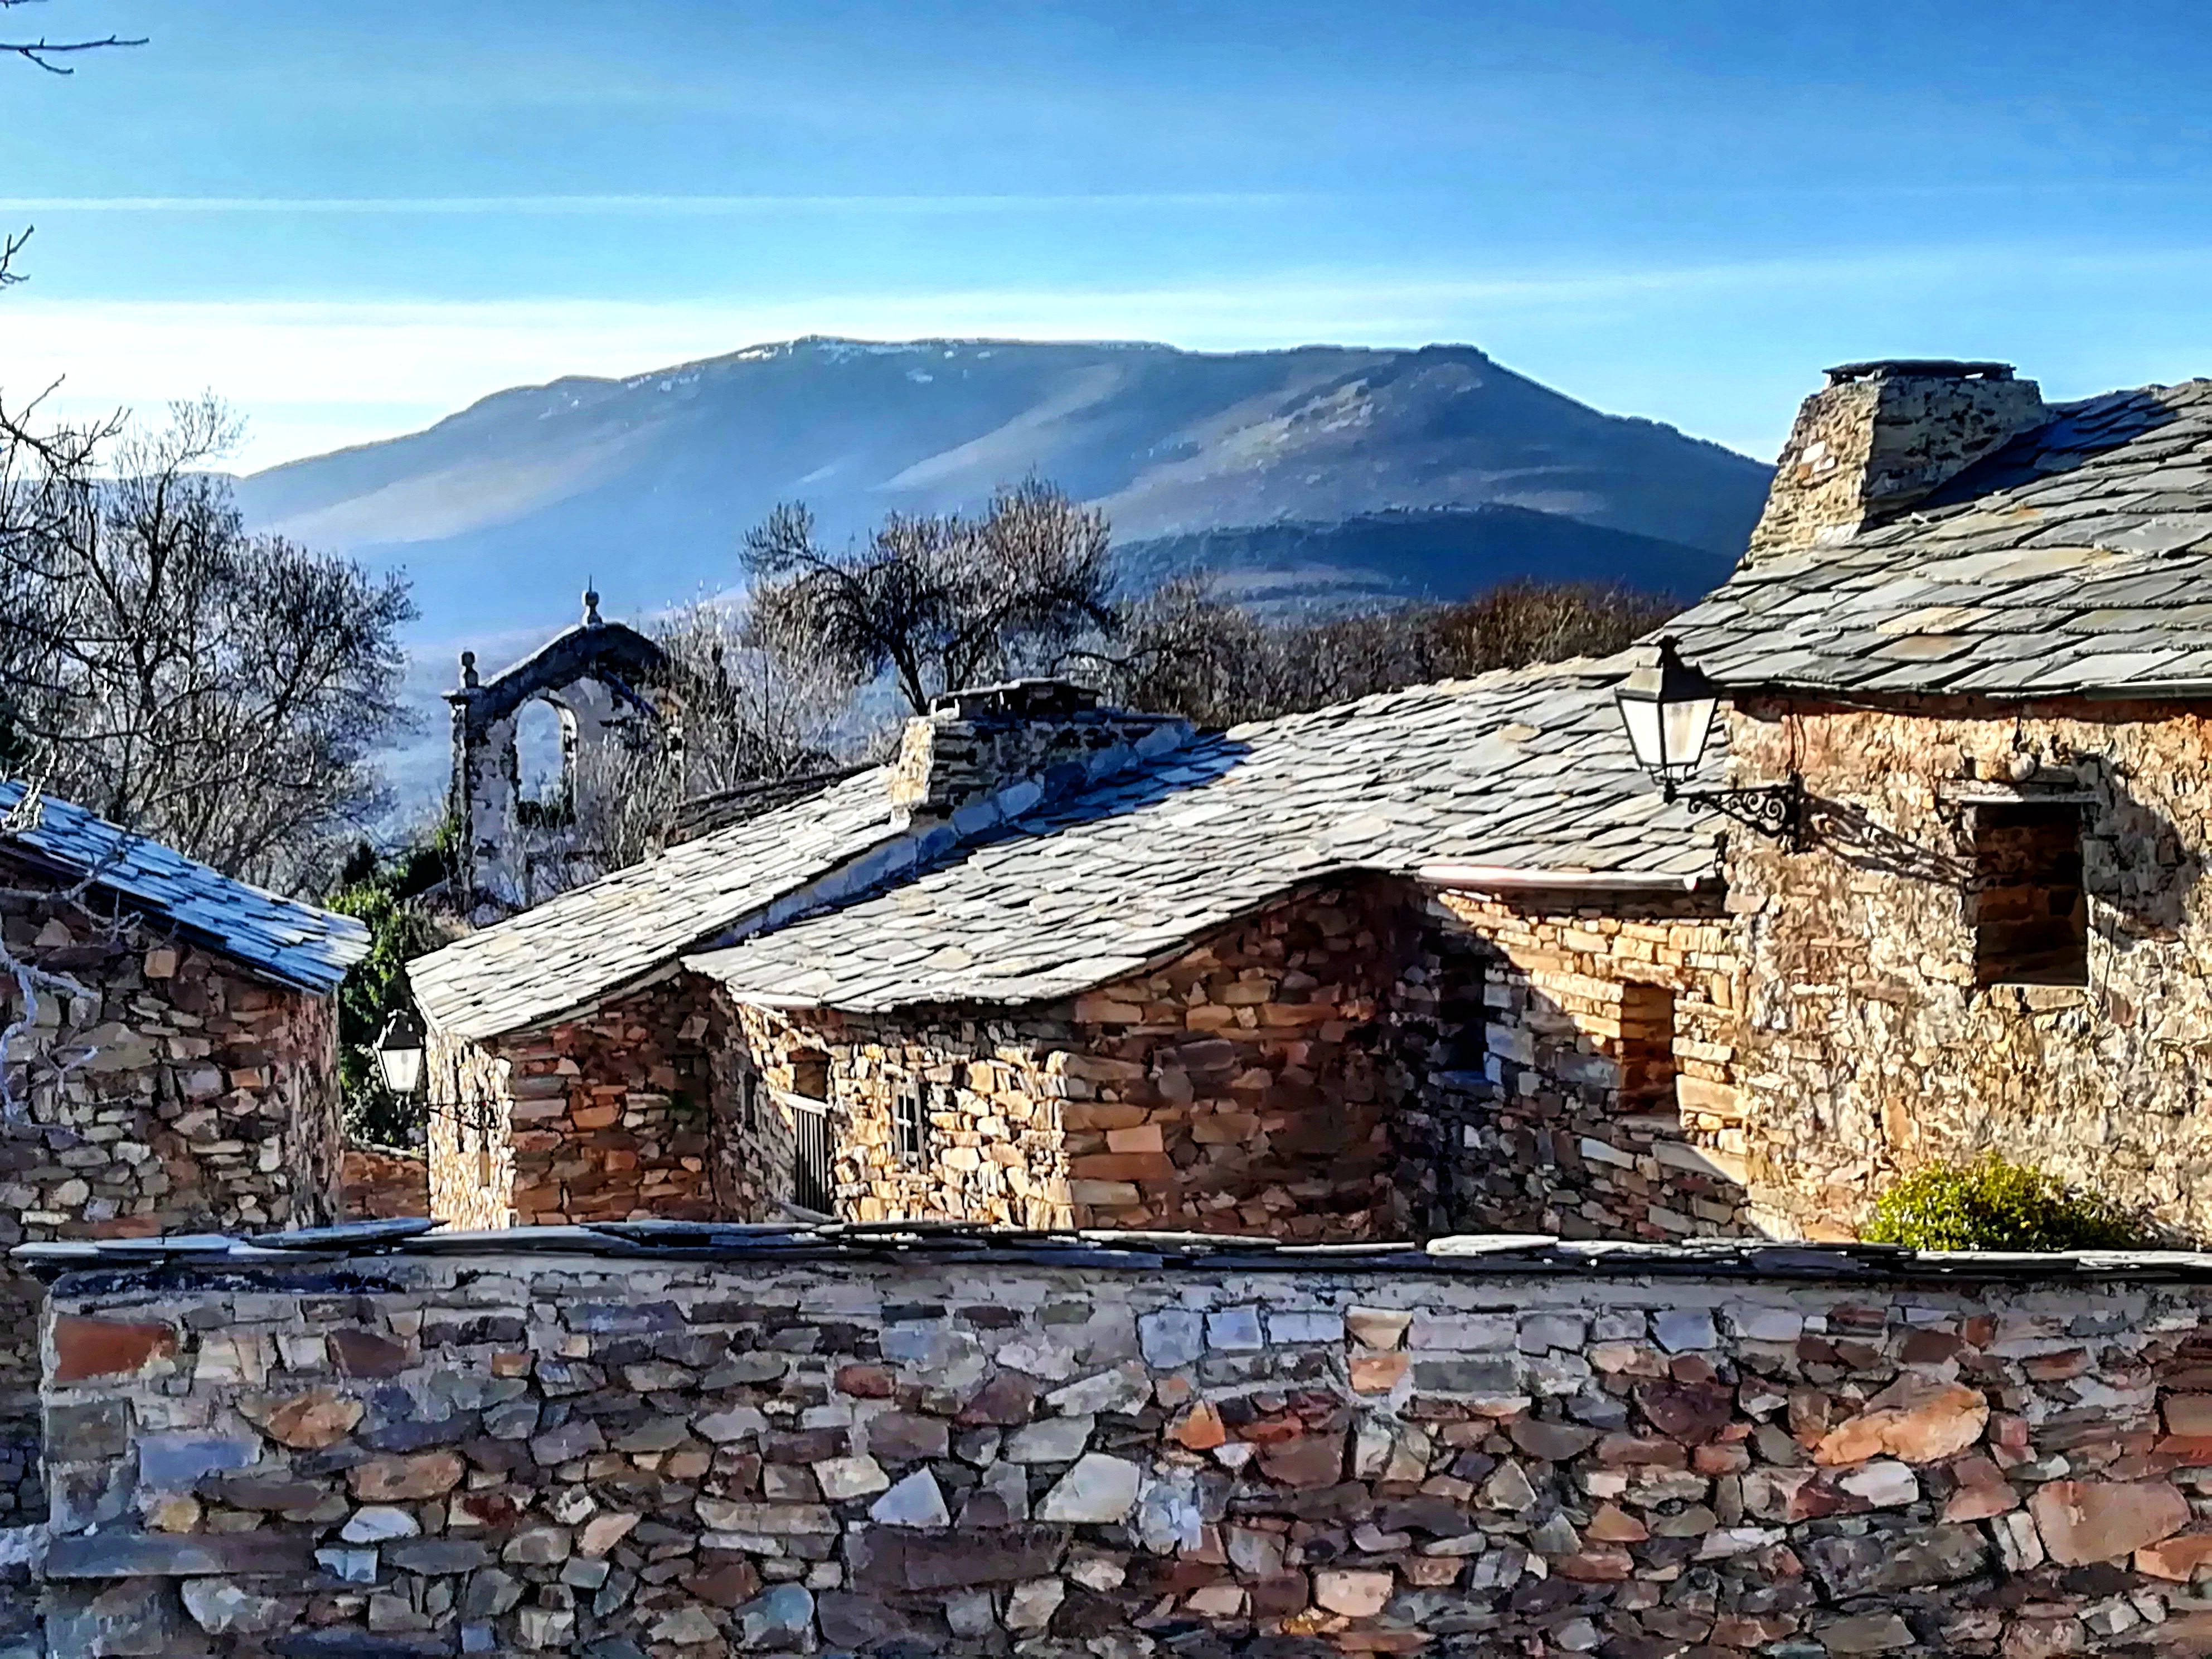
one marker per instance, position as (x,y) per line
(811,1148)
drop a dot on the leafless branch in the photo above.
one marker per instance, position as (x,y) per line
(220,691)
(940,602)
(43,52)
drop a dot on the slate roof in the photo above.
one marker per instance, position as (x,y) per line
(1527,770)
(2076,558)
(567,951)
(280,939)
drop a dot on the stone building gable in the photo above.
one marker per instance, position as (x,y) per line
(1238,1088)
(1872,1044)
(605,1118)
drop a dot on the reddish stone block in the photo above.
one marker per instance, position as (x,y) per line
(866,1382)
(364,1353)
(107,1347)
(2180,1559)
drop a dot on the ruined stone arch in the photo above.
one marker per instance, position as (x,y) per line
(605,682)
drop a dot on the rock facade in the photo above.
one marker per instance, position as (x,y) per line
(380,1183)
(1593,1092)
(189,1097)
(1870,1047)
(1238,1089)
(1360,1061)
(546,1454)
(603,1118)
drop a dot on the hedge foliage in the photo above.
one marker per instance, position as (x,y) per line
(1995,1205)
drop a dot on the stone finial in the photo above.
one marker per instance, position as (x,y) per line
(590,605)
(469,669)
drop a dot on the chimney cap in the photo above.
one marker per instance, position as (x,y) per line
(1021,699)
(1917,368)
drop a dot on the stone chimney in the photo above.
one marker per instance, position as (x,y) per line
(1019,744)
(1881,437)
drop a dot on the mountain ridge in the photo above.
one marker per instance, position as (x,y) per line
(648,481)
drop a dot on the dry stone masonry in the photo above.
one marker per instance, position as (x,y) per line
(180,1094)
(599,1118)
(1876,1047)
(438,1452)
(1605,1104)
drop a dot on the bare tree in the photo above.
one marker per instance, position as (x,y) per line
(749,718)
(940,602)
(1183,651)
(50,55)
(220,691)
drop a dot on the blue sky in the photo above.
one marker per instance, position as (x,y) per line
(349,219)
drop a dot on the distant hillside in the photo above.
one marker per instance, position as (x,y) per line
(502,511)
(1433,553)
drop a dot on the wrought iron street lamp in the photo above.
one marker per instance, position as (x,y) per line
(399,1054)
(1669,709)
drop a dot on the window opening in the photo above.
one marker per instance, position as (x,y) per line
(809,1074)
(910,1121)
(811,1155)
(1647,1050)
(2031,916)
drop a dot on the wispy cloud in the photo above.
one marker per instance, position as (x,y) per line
(708,206)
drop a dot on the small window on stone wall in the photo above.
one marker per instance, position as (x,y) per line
(749,1099)
(2031,917)
(910,1121)
(1647,1050)
(809,1074)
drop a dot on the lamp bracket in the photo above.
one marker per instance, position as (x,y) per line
(1776,810)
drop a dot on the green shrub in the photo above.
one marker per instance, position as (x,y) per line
(1992,1205)
(385,891)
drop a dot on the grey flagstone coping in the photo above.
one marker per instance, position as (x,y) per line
(2077,559)
(1527,770)
(280,939)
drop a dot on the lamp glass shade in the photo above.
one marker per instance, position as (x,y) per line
(399,1054)
(1667,708)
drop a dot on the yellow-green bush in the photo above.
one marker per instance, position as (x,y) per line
(1993,1205)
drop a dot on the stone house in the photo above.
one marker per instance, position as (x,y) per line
(1432,961)
(1977,630)
(1447,959)
(177,1072)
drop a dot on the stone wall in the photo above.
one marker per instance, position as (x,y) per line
(384,1182)
(178,1096)
(604,1118)
(1571,1068)
(1340,1065)
(1870,1048)
(527,1453)
(1237,1089)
